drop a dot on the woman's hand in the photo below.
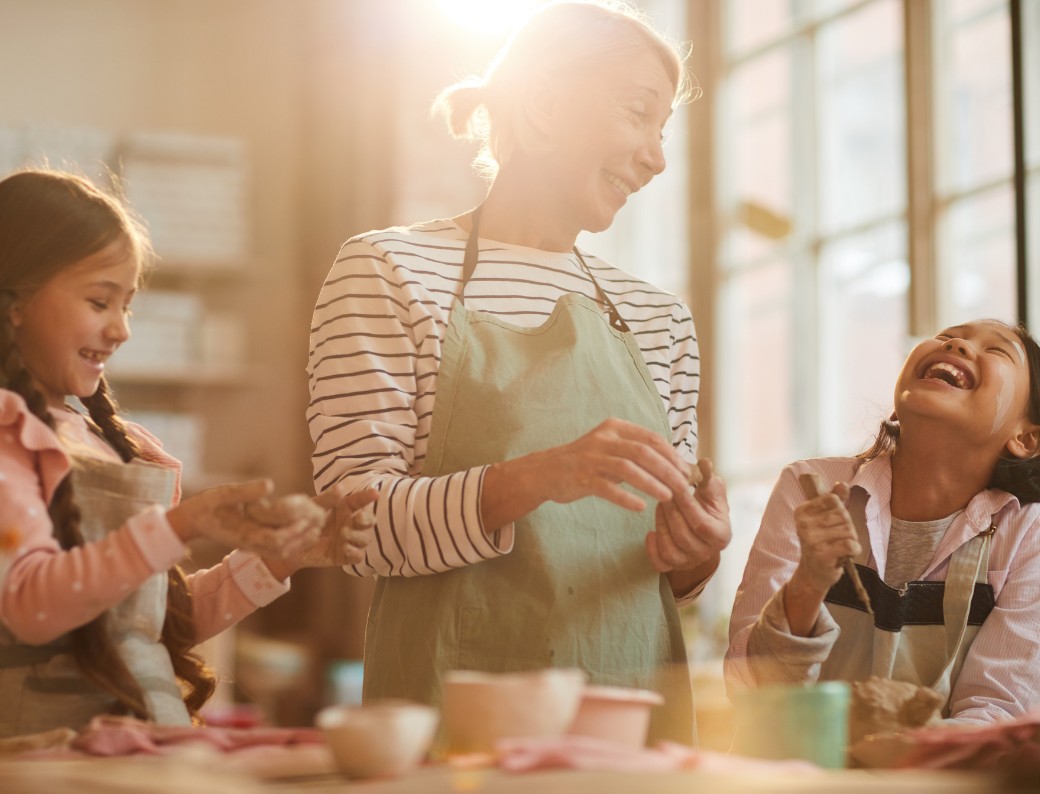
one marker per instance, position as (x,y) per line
(691,530)
(826,535)
(241,515)
(346,533)
(613,454)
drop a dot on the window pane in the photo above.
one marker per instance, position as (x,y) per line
(758,156)
(863,329)
(964,10)
(977,261)
(752,23)
(1031,79)
(1033,252)
(822,8)
(756,380)
(974,91)
(861,111)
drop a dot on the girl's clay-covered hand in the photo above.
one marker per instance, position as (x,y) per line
(346,531)
(827,536)
(693,526)
(242,515)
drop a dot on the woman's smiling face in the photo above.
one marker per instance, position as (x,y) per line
(67,330)
(975,376)
(610,138)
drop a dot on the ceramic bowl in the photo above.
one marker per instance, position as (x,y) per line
(380,739)
(616,713)
(480,708)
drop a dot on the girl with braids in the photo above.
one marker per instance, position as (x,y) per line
(95,615)
(942,520)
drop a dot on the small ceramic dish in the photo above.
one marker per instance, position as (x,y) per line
(479,708)
(616,713)
(381,739)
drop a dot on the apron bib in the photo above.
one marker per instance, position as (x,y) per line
(921,634)
(40,686)
(577,590)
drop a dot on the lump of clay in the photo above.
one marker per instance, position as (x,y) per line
(285,510)
(881,705)
(694,476)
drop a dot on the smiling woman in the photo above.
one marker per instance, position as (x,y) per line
(527,410)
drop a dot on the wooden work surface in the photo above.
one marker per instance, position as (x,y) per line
(190,772)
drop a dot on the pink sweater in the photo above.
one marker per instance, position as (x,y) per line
(46,592)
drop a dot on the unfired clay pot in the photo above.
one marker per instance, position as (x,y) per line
(381,739)
(616,713)
(479,708)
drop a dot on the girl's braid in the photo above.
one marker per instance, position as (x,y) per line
(178,633)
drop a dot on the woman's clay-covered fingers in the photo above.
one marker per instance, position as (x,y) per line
(640,457)
(699,472)
(353,509)
(364,517)
(675,543)
(705,509)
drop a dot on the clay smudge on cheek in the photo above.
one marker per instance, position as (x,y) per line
(1006,395)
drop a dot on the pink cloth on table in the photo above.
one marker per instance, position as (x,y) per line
(1012,746)
(114,736)
(592,754)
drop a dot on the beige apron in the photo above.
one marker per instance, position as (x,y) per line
(577,590)
(921,634)
(40,686)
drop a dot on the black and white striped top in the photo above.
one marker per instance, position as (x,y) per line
(375,351)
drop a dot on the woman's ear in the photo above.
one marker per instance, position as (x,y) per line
(1026,444)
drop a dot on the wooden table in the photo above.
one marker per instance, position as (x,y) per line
(202,772)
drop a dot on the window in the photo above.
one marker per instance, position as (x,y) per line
(864,191)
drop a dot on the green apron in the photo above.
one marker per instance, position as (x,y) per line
(578,589)
(41,686)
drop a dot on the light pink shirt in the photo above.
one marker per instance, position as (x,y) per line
(46,592)
(1001,674)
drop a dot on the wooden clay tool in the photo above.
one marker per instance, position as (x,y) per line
(813,486)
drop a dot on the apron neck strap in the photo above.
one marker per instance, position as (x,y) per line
(469,265)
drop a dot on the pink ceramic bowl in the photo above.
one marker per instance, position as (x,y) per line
(477,708)
(616,713)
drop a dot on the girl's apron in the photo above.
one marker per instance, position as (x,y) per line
(920,634)
(40,685)
(577,590)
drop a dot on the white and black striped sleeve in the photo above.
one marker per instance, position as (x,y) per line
(375,342)
(684,382)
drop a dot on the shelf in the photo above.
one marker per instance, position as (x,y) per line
(181,377)
(201,481)
(175,270)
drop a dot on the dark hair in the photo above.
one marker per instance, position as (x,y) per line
(50,220)
(1018,476)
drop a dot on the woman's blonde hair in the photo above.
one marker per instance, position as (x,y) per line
(560,43)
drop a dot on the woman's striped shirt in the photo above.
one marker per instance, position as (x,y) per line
(375,351)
